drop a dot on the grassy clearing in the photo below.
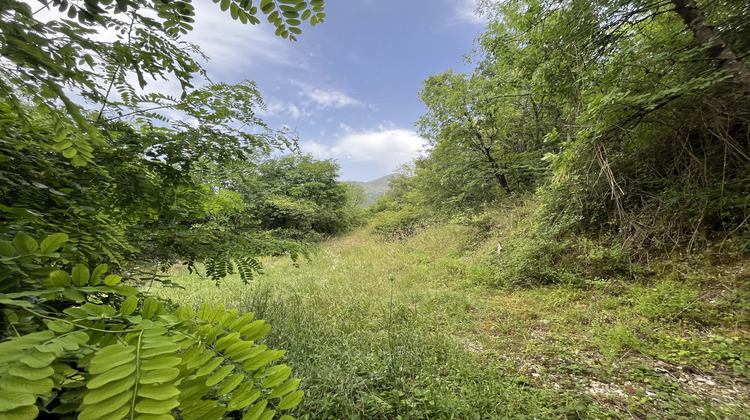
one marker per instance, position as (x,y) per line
(387,330)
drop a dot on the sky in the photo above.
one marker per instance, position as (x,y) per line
(348,86)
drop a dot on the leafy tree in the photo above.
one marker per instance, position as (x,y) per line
(650,113)
(80,188)
(299,196)
(42,60)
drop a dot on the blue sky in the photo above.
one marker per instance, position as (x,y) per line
(348,86)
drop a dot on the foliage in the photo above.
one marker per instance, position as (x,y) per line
(632,131)
(143,204)
(400,212)
(296,196)
(645,157)
(137,196)
(75,342)
(42,60)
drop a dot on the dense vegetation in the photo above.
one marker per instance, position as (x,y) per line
(605,144)
(382,329)
(91,195)
(630,127)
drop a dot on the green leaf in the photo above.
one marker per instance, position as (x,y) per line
(53,242)
(159,376)
(254,412)
(280,374)
(70,152)
(226,341)
(7,249)
(267,414)
(80,275)
(158,391)
(112,280)
(32,374)
(115,388)
(122,289)
(266,6)
(209,366)
(254,330)
(196,359)
(59,326)
(230,383)
(41,387)
(110,357)
(262,359)
(78,161)
(290,400)
(59,278)
(97,274)
(113,408)
(25,243)
(74,295)
(241,322)
(111,375)
(243,396)
(149,307)
(164,348)
(239,348)
(14,399)
(219,375)
(282,390)
(161,362)
(28,412)
(147,406)
(63,144)
(37,359)
(129,305)
(14,302)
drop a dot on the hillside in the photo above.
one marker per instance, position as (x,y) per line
(375,188)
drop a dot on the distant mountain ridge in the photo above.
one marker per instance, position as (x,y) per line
(375,188)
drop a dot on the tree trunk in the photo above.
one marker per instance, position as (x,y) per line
(499,175)
(717,48)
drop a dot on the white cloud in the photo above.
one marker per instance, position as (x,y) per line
(313,99)
(345,128)
(276,108)
(230,44)
(465,12)
(331,98)
(326,98)
(389,147)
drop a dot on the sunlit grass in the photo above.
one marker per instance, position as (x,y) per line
(381,329)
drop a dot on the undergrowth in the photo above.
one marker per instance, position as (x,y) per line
(417,327)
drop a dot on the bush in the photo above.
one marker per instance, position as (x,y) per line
(399,223)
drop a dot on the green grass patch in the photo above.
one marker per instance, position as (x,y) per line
(409,328)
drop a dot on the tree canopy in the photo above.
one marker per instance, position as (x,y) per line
(100,192)
(628,117)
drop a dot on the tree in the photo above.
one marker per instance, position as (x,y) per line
(645,104)
(81,187)
(299,196)
(43,62)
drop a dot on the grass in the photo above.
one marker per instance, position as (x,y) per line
(407,330)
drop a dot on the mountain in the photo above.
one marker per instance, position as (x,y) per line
(375,188)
